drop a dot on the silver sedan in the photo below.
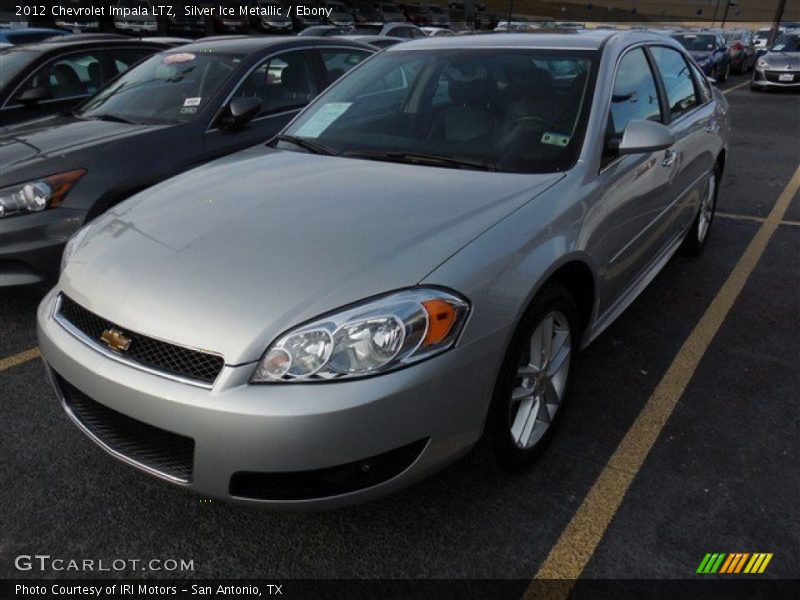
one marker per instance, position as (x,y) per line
(411,267)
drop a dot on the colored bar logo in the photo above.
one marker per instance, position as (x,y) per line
(734,562)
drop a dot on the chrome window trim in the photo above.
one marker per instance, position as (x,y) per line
(88,433)
(94,345)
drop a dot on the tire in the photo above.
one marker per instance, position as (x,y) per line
(726,72)
(520,428)
(698,234)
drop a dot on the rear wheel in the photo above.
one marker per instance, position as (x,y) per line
(697,236)
(534,380)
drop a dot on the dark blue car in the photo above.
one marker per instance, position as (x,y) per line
(28,35)
(709,50)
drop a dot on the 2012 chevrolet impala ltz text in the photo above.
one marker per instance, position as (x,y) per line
(411,266)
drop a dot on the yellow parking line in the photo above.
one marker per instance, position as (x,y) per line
(755,219)
(736,87)
(18,359)
(577,543)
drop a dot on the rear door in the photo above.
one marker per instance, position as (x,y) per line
(284,82)
(691,118)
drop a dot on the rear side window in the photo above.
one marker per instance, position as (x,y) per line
(703,87)
(677,77)
(635,97)
(75,75)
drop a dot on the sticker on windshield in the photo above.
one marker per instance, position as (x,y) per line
(322,119)
(178,58)
(192,101)
(556,139)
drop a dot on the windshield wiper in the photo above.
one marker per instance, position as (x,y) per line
(305,144)
(421,158)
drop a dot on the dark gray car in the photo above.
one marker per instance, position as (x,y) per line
(174,111)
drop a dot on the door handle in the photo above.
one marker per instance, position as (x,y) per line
(670,156)
(711,127)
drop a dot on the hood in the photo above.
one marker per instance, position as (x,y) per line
(782,60)
(229,255)
(57,136)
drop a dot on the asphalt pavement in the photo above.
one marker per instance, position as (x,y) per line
(722,474)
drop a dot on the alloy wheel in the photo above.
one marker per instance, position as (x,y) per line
(541,380)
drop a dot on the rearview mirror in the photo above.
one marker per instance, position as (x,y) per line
(35,94)
(241,111)
(645,136)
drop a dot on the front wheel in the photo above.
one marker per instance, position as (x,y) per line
(534,379)
(697,236)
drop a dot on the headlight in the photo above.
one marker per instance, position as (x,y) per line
(73,244)
(372,337)
(762,64)
(37,195)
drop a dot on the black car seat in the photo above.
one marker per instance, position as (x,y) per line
(295,84)
(96,74)
(472,114)
(67,82)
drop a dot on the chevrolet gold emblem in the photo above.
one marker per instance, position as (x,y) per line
(115,340)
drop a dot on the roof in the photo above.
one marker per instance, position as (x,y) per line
(589,39)
(246,44)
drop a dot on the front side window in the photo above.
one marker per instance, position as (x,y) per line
(516,111)
(634,97)
(283,82)
(170,87)
(339,61)
(125,59)
(677,78)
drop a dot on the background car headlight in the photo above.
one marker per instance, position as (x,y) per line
(37,195)
(762,64)
(372,337)
(72,245)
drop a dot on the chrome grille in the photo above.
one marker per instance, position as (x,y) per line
(154,449)
(147,351)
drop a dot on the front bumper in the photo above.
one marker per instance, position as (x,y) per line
(31,245)
(772,78)
(437,408)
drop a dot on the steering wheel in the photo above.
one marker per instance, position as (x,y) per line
(544,121)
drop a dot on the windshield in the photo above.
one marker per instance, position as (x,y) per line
(519,111)
(787,43)
(166,88)
(13,61)
(763,34)
(731,36)
(435,9)
(389,8)
(696,43)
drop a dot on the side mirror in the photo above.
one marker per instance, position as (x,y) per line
(34,95)
(645,136)
(241,111)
